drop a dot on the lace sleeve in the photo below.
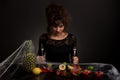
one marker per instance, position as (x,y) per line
(74,40)
(42,40)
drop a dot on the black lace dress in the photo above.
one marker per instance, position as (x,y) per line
(57,50)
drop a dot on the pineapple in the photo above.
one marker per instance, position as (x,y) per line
(29,58)
(29,61)
(29,47)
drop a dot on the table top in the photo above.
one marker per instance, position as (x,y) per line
(16,72)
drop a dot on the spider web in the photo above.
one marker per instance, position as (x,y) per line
(15,58)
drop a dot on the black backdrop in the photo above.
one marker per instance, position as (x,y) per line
(94,22)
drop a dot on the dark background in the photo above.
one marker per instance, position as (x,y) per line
(94,22)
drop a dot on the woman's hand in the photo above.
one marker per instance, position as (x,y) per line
(75,60)
(41,59)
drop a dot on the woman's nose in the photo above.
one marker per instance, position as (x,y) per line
(57,29)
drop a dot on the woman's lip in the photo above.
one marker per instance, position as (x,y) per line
(57,32)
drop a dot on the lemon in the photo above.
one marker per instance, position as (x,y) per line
(70,67)
(90,67)
(36,70)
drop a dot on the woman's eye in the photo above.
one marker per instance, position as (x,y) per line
(61,26)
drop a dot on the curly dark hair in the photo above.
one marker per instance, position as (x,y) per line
(55,12)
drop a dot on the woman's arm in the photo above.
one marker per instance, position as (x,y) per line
(41,55)
(75,54)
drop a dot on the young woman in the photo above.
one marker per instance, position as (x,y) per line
(57,44)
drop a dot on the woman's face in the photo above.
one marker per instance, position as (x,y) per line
(58,27)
